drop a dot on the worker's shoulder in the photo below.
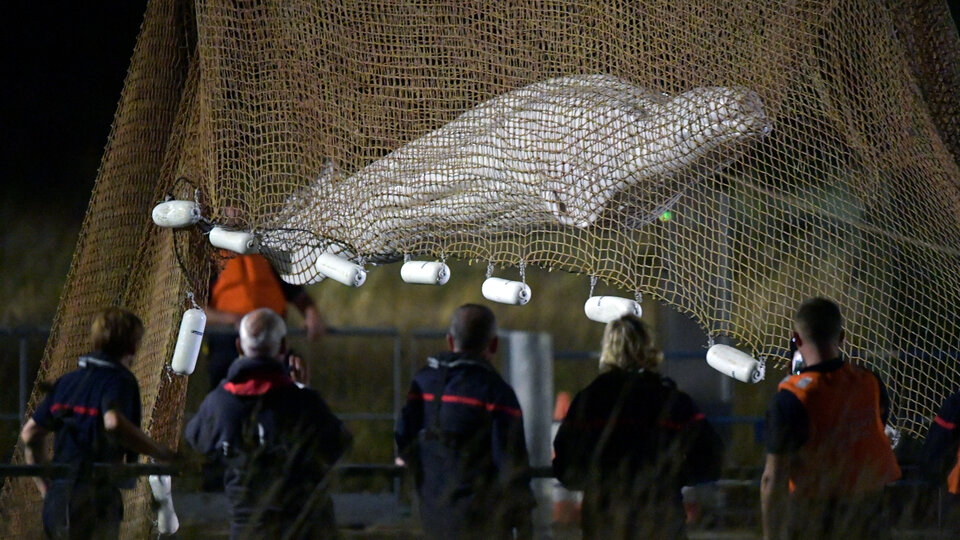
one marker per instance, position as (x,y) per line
(950,409)
(799,382)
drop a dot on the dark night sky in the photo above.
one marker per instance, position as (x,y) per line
(62,75)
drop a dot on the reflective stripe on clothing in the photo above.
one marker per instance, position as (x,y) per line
(79,409)
(470,402)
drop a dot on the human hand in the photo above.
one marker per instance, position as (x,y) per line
(43,485)
(314,325)
(299,369)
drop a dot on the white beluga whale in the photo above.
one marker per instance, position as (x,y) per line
(566,152)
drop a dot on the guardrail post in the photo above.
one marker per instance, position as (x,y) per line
(398,400)
(528,367)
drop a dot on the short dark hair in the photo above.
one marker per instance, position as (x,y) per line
(819,321)
(472,327)
(116,332)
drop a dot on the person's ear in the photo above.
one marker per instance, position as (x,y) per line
(449,342)
(797,339)
(239,348)
(283,345)
(843,336)
(494,345)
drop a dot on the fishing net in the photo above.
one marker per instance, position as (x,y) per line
(728,158)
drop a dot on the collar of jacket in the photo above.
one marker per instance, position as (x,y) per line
(98,359)
(457,359)
(255,376)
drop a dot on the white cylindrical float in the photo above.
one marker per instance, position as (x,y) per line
(161,488)
(425,272)
(340,269)
(188,341)
(505,291)
(610,308)
(176,214)
(734,363)
(241,242)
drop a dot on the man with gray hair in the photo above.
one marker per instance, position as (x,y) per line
(276,439)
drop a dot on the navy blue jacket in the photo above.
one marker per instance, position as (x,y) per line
(74,410)
(469,455)
(940,447)
(276,440)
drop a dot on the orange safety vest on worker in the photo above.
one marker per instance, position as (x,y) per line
(246,283)
(847,453)
(953,479)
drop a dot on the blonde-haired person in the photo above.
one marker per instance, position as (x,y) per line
(628,344)
(631,440)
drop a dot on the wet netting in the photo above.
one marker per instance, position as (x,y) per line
(730,158)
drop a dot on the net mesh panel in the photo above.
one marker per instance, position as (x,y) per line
(803,148)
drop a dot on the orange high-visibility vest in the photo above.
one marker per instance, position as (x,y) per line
(953,480)
(847,453)
(247,283)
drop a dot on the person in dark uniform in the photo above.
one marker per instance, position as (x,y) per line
(461,432)
(275,439)
(941,460)
(631,440)
(94,412)
(828,458)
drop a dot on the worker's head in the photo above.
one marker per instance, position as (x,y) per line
(262,333)
(818,329)
(473,330)
(116,332)
(628,344)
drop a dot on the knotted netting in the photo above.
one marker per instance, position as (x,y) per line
(728,158)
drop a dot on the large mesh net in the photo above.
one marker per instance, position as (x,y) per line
(801,148)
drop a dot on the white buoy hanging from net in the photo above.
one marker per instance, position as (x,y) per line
(610,308)
(176,214)
(187,349)
(505,291)
(161,489)
(425,272)
(735,363)
(241,242)
(339,269)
